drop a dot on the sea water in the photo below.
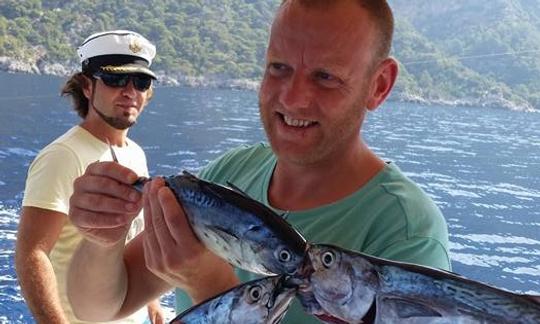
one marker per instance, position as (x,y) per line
(481,166)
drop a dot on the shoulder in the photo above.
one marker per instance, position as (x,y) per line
(418,210)
(76,142)
(74,136)
(411,226)
(50,178)
(65,151)
(426,251)
(55,156)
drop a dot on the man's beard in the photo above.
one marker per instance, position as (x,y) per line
(115,122)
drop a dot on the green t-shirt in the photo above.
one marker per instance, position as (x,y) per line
(389,217)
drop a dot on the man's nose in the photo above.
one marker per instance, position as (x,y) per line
(129,89)
(297,92)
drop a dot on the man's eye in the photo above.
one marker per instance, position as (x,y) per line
(277,69)
(324,76)
(327,80)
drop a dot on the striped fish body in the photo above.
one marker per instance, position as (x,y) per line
(239,229)
(352,287)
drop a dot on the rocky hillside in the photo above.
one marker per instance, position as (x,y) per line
(463,52)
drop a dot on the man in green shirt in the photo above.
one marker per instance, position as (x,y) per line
(327,66)
(389,216)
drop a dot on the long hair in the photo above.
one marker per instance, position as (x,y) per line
(74,88)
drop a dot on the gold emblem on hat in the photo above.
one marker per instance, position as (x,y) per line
(135,46)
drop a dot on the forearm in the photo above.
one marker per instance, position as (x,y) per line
(97,281)
(39,288)
(212,286)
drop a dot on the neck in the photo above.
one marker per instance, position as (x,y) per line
(299,187)
(104,132)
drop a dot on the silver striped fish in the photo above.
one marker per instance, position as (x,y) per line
(238,228)
(261,301)
(342,286)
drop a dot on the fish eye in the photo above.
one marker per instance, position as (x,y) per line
(328,259)
(255,293)
(284,256)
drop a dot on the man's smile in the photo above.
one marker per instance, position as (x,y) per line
(297,123)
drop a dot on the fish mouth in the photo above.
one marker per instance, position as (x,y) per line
(303,275)
(294,282)
(281,299)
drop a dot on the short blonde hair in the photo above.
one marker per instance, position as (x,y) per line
(378,10)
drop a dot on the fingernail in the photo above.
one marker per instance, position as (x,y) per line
(132,178)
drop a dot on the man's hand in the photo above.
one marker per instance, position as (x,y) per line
(104,203)
(155,312)
(173,252)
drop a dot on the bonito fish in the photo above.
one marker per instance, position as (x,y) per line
(349,287)
(263,300)
(239,229)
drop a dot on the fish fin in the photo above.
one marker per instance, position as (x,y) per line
(406,308)
(220,239)
(237,190)
(222,233)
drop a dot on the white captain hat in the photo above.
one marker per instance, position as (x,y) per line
(118,52)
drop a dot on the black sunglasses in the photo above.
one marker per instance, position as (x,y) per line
(141,82)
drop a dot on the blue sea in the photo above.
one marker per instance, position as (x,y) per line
(480,165)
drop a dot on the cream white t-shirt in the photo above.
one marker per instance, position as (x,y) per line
(49,185)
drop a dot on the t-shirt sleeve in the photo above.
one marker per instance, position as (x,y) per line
(418,250)
(49,183)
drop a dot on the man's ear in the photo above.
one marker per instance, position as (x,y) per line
(87,87)
(382,83)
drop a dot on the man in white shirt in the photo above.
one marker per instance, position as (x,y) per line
(109,94)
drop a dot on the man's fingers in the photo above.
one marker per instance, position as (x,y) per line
(152,251)
(162,231)
(104,204)
(175,219)
(88,220)
(106,186)
(112,170)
